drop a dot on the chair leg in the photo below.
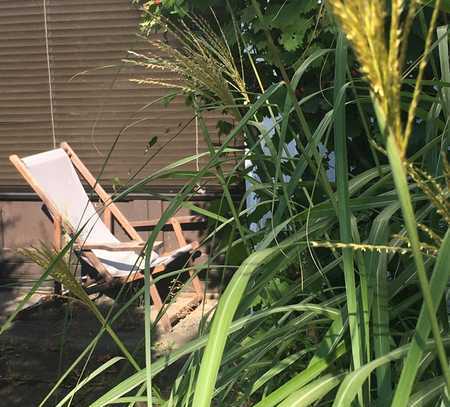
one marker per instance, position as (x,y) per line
(196,283)
(57,237)
(198,286)
(157,302)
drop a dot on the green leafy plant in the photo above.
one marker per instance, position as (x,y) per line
(351,234)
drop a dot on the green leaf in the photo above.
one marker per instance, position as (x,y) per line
(313,391)
(342,171)
(428,392)
(353,382)
(165,361)
(376,266)
(301,379)
(293,37)
(438,285)
(223,316)
(88,378)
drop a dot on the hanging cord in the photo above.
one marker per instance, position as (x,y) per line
(50,90)
(199,190)
(197,166)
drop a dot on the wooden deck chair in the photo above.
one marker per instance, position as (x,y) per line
(53,175)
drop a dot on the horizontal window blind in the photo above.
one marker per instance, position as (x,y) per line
(93,100)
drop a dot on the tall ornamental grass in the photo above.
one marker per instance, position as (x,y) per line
(338,296)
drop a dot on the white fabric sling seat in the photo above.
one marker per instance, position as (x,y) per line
(54,172)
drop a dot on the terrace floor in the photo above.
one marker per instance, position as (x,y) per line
(38,348)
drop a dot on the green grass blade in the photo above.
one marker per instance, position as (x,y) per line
(353,381)
(444,60)
(328,350)
(364,296)
(340,143)
(90,377)
(224,314)
(277,369)
(376,265)
(428,392)
(197,344)
(301,379)
(313,391)
(438,285)
(89,348)
(51,267)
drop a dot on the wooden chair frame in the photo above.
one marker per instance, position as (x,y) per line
(110,211)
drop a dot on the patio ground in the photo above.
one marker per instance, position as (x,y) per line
(39,348)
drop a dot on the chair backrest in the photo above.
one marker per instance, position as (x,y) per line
(54,172)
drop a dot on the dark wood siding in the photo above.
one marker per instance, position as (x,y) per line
(24,224)
(92,97)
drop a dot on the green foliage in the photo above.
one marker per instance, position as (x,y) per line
(292,23)
(342,253)
(299,28)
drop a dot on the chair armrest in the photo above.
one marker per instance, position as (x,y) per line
(183,220)
(167,258)
(117,247)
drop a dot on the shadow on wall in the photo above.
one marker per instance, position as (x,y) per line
(215,275)
(10,265)
(211,273)
(24,223)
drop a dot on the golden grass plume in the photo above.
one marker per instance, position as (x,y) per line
(199,56)
(381,59)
